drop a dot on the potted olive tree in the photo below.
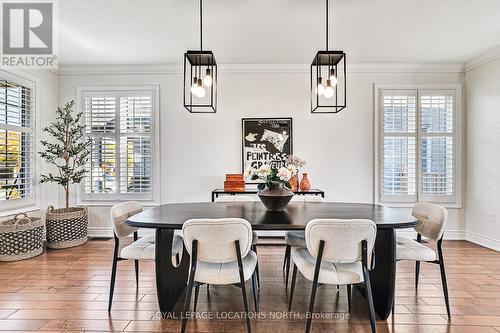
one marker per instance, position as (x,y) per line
(67,152)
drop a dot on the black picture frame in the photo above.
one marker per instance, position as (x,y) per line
(261,128)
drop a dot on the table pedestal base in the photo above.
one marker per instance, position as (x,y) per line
(170,280)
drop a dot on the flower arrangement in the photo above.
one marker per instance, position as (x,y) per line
(271,175)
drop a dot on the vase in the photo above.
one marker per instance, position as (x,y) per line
(294,183)
(275,197)
(305,185)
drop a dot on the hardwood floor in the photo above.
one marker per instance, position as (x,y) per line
(67,290)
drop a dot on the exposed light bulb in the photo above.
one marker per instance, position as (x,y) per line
(284,132)
(207,80)
(194,87)
(320,88)
(200,92)
(329,90)
(333,78)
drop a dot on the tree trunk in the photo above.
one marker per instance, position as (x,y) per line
(66,189)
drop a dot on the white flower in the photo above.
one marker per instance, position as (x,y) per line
(284,174)
(249,172)
(264,171)
(292,169)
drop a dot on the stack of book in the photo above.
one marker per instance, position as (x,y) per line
(234,183)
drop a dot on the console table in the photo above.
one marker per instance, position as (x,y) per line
(219,191)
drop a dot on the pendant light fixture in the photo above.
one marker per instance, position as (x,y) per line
(200,78)
(328,79)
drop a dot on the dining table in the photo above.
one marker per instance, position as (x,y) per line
(171,277)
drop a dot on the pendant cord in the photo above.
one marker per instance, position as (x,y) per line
(201,25)
(326,25)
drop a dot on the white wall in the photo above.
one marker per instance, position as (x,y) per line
(483,154)
(47,99)
(197,150)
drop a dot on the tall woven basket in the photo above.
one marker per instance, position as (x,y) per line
(21,238)
(66,227)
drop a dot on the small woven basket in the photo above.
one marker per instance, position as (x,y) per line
(66,227)
(21,238)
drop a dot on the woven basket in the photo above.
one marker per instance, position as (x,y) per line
(66,227)
(21,238)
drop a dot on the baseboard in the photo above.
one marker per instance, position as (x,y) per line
(100,233)
(485,241)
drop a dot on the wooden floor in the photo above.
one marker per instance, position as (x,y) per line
(67,290)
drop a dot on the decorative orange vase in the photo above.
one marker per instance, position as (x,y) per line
(294,183)
(305,185)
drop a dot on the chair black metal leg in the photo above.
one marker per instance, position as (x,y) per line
(288,249)
(136,264)
(311,305)
(113,273)
(189,290)
(292,290)
(369,299)
(254,290)
(254,248)
(349,297)
(417,273)
(242,284)
(443,277)
(287,269)
(112,285)
(196,293)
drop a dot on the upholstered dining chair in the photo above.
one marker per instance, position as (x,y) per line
(141,249)
(337,253)
(296,238)
(432,221)
(255,237)
(220,255)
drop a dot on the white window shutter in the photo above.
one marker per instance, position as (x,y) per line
(119,124)
(16,144)
(398,177)
(417,146)
(437,146)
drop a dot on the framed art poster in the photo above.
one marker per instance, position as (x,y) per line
(266,141)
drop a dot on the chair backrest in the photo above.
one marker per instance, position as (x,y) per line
(120,213)
(216,238)
(433,219)
(342,238)
(235,198)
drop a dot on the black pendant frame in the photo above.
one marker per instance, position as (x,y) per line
(196,62)
(323,62)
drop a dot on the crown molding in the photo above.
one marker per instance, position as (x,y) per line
(260,68)
(482,59)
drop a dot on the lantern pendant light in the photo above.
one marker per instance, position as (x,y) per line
(328,79)
(200,78)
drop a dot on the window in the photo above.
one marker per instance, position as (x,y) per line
(120,127)
(418,146)
(16,145)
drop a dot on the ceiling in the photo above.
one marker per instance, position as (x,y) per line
(103,32)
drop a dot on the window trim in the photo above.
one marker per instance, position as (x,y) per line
(457,149)
(105,199)
(26,204)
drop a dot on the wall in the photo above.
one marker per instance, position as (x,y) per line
(483,154)
(47,91)
(197,149)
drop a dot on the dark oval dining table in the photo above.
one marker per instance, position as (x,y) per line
(171,280)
